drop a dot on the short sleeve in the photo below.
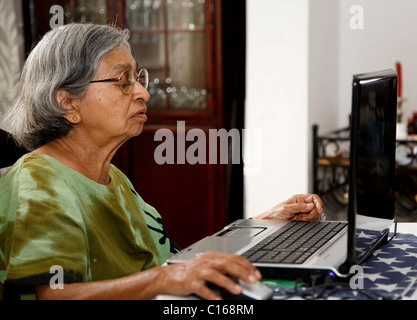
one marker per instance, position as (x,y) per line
(44,231)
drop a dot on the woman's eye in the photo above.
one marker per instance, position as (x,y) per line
(127,84)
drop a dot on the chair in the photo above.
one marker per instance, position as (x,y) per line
(9,151)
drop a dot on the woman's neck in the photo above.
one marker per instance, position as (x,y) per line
(88,159)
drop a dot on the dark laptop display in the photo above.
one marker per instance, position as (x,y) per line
(372,157)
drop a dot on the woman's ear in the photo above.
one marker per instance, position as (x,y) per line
(66,102)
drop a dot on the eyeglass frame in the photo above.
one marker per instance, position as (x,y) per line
(137,78)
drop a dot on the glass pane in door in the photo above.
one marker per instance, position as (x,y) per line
(186,14)
(145,14)
(168,38)
(187,65)
(95,11)
(149,50)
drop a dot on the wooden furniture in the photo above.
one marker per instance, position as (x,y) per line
(195,53)
(331,171)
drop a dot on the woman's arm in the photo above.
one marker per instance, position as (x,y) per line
(181,279)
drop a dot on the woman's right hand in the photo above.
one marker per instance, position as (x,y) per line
(191,277)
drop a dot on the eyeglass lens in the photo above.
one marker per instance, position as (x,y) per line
(127,80)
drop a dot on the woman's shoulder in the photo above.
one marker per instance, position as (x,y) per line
(41,163)
(36,166)
(34,159)
(35,175)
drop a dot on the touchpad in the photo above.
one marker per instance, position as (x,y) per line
(241,232)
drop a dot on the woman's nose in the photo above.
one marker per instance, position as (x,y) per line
(139,92)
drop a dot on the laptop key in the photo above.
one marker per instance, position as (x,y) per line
(294,243)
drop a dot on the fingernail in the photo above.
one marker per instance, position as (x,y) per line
(237,289)
(256,277)
(252,279)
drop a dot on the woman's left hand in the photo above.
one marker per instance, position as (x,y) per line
(301,207)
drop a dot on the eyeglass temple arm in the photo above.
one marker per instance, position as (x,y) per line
(106,80)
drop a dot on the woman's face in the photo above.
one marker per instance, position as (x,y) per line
(107,114)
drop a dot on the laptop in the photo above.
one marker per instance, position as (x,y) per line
(299,250)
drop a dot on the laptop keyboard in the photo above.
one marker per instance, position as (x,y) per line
(294,243)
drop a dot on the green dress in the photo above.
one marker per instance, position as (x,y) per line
(51,215)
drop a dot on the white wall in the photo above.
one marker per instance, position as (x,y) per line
(324,64)
(323,70)
(389,35)
(277,99)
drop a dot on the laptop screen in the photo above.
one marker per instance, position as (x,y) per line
(372,161)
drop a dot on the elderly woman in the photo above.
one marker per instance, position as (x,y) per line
(64,203)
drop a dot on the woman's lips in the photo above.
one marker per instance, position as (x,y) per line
(142,115)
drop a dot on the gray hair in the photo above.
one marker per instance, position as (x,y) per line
(66,58)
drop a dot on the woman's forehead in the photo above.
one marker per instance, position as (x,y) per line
(118,59)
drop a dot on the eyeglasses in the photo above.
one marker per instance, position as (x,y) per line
(127,80)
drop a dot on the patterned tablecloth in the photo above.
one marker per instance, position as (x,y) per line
(390,273)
